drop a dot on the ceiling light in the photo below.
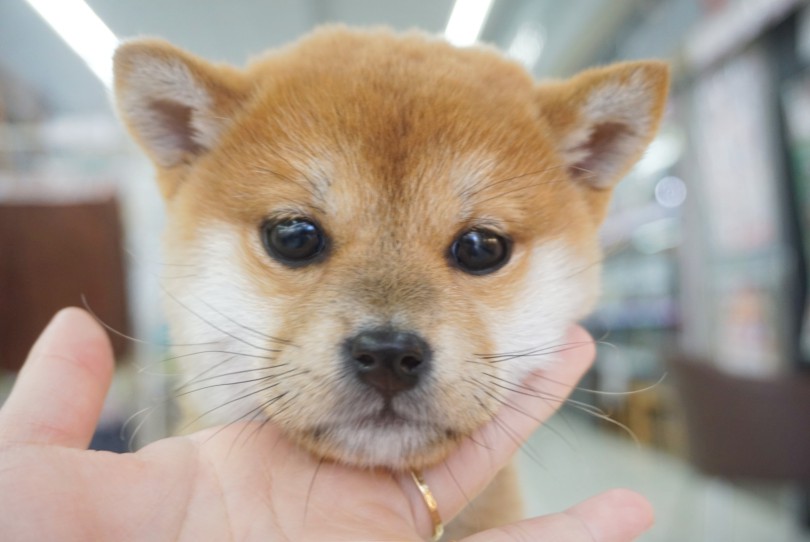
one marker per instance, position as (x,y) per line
(466,21)
(662,154)
(527,45)
(83,31)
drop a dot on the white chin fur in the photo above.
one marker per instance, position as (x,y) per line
(367,446)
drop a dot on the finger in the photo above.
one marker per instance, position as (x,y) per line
(471,468)
(616,516)
(60,390)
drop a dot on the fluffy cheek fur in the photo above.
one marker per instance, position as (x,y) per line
(561,286)
(242,360)
(247,356)
(222,340)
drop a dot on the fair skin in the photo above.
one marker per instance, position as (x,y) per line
(224,486)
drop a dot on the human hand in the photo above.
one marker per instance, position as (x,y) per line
(213,486)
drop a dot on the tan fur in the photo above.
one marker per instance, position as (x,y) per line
(394,144)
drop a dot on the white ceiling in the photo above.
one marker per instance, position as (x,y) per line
(39,62)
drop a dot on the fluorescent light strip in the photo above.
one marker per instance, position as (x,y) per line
(83,31)
(527,46)
(466,21)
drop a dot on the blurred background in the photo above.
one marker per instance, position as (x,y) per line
(704,361)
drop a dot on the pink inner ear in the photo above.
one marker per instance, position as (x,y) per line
(174,119)
(603,154)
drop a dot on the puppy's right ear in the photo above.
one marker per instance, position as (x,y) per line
(175,104)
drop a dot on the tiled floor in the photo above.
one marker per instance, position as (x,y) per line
(573,459)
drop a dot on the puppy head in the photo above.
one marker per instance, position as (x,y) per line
(380,234)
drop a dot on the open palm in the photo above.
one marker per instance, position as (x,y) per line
(245,481)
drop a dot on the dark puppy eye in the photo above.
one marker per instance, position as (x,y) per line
(479,251)
(293,241)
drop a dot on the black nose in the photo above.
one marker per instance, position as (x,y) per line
(389,361)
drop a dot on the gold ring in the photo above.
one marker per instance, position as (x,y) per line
(432,505)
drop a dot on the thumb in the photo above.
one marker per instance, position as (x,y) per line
(60,390)
(619,515)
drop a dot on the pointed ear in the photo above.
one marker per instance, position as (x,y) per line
(604,118)
(175,104)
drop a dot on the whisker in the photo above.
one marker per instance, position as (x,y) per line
(240,354)
(618,424)
(276,414)
(583,407)
(586,408)
(197,380)
(122,432)
(470,502)
(246,328)
(166,400)
(229,402)
(211,307)
(143,368)
(286,406)
(540,348)
(513,435)
(481,444)
(309,493)
(258,410)
(235,383)
(149,411)
(591,409)
(613,393)
(205,372)
(231,335)
(586,267)
(536,352)
(241,397)
(546,425)
(114,331)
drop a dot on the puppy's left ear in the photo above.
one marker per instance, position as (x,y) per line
(604,118)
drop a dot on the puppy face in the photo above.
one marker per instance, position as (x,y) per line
(380,235)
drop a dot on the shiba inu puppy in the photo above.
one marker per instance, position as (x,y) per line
(381,234)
